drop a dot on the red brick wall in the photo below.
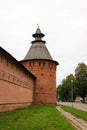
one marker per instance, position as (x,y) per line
(16,86)
(45,71)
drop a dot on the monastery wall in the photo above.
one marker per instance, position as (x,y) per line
(16,84)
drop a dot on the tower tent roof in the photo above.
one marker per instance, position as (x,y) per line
(38,49)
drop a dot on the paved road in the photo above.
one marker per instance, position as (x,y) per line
(81,106)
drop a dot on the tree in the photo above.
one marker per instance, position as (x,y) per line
(81,76)
(64,90)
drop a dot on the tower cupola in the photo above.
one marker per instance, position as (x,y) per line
(38,49)
(38,36)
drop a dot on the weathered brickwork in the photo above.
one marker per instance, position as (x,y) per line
(45,71)
(16,84)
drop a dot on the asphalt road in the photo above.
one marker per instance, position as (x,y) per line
(82,106)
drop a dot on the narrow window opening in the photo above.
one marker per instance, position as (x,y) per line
(43,63)
(30,64)
(39,63)
(42,74)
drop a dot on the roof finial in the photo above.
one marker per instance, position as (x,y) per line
(37,25)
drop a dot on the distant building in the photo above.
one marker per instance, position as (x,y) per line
(78,99)
(30,81)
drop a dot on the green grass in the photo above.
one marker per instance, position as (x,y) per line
(34,118)
(77,112)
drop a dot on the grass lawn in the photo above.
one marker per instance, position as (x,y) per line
(34,118)
(76,112)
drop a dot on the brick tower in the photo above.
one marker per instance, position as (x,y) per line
(39,62)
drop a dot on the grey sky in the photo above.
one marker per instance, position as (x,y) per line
(64,23)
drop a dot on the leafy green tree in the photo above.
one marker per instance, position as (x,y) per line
(81,76)
(64,90)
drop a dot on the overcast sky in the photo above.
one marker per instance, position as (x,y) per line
(64,23)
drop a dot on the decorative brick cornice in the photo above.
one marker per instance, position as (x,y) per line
(14,80)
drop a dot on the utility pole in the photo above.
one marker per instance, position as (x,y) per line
(72,92)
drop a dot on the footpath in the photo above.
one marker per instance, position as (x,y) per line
(78,123)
